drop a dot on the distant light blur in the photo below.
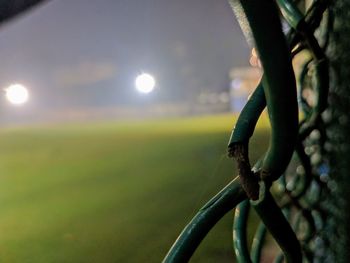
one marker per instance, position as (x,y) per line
(17,94)
(145,83)
(79,59)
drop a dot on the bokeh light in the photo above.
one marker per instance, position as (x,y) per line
(17,94)
(145,83)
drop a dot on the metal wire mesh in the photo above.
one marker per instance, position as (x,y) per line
(300,214)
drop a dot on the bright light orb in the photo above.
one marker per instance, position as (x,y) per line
(145,83)
(17,94)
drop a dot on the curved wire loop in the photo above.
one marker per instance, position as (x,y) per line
(240,232)
(277,91)
(280,95)
(203,221)
(296,20)
(257,245)
(278,81)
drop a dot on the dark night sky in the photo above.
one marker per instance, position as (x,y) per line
(88,52)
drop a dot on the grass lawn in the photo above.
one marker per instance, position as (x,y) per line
(112,192)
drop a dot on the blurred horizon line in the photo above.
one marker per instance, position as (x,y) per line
(86,114)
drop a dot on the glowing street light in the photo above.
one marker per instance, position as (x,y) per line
(17,94)
(145,83)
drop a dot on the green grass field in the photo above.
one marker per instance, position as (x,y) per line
(112,192)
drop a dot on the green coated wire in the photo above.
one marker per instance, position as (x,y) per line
(248,117)
(303,74)
(206,218)
(313,18)
(295,18)
(278,82)
(280,93)
(240,232)
(314,14)
(305,162)
(241,133)
(203,221)
(277,224)
(288,10)
(322,86)
(308,233)
(257,245)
